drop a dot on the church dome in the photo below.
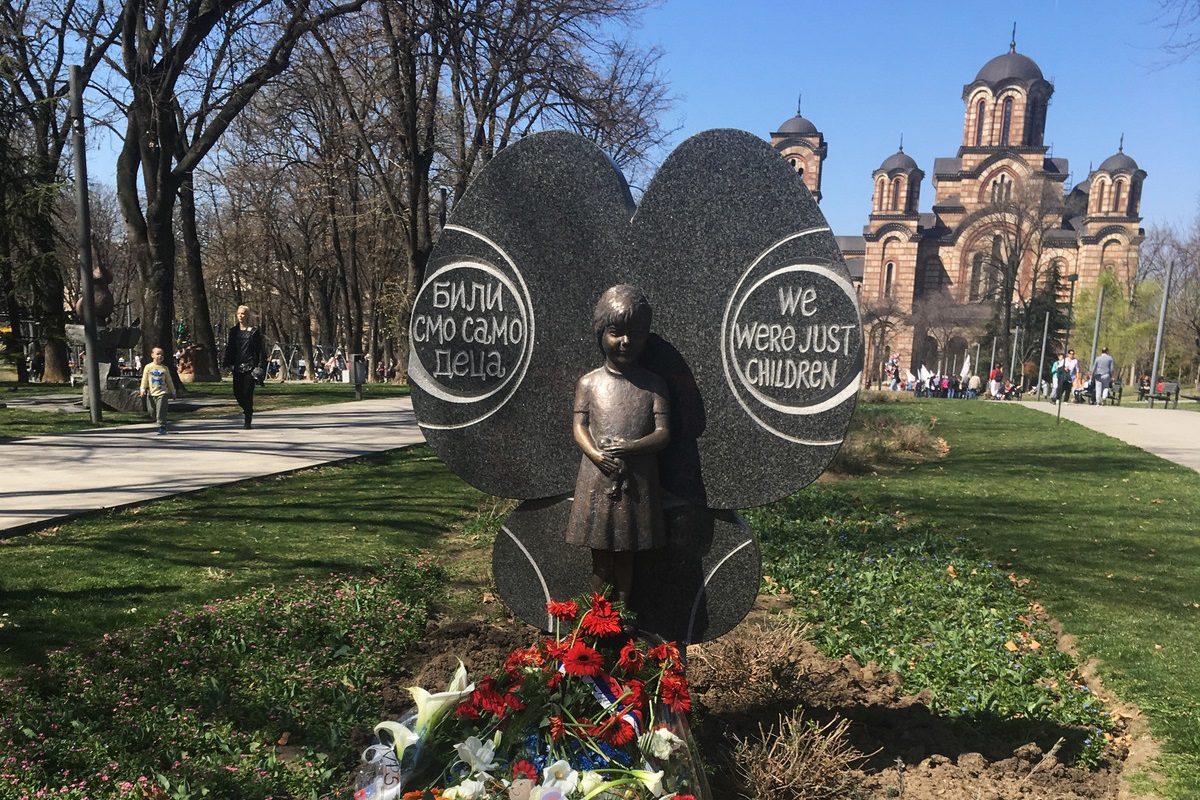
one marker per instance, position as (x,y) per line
(1119,162)
(797,125)
(897,160)
(1010,66)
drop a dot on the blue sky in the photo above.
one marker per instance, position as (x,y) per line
(871,71)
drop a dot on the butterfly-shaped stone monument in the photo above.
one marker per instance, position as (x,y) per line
(756,333)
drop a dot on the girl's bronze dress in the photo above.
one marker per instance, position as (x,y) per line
(623,514)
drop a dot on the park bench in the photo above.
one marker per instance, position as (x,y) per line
(1167,391)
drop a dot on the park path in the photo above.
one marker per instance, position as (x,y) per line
(54,477)
(1171,433)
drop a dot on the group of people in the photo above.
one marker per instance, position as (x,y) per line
(1068,382)
(245,357)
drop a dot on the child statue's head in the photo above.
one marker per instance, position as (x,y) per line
(621,323)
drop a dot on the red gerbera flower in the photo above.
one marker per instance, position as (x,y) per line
(488,698)
(663,652)
(564,610)
(620,732)
(582,660)
(524,769)
(521,658)
(553,681)
(602,619)
(555,649)
(631,659)
(675,693)
(556,728)
(634,696)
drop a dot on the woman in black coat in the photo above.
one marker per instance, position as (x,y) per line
(246,355)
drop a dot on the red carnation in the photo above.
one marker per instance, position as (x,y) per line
(582,660)
(524,769)
(466,711)
(675,693)
(512,701)
(564,610)
(631,659)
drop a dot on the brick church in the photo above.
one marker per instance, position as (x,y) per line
(1001,199)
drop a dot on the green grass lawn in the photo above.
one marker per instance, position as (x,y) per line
(74,582)
(1106,532)
(16,421)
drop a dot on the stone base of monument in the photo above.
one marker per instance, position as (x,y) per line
(118,394)
(696,588)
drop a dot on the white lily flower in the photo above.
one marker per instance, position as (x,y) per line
(467,790)
(560,776)
(477,755)
(400,735)
(431,707)
(660,743)
(651,780)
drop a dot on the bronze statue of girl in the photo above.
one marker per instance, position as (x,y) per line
(621,422)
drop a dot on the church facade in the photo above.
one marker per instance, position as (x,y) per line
(1001,206)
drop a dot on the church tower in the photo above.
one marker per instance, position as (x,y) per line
(804,147)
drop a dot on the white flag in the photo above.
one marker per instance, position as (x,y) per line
(966,370)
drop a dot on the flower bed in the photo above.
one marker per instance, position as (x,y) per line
(588,712)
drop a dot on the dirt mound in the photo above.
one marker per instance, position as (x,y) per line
(745,681)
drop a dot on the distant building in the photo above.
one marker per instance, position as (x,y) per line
(905,255)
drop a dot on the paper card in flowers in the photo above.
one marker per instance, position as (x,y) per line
(696,588)
(583,713)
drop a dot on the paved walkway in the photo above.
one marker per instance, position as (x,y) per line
(1171,433)
(52,477)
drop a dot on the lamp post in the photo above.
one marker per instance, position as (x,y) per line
(1067,338)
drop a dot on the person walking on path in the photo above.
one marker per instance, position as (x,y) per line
(246,356)
(1067,372)
(1102,371)
(157,387)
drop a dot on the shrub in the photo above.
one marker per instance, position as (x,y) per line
(246,697)
(798,760)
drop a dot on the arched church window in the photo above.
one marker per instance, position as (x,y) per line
(979,112)
(976,284)
(880,194)
(1002,189)
(800,171)
(1006,120)
(889,277)
(1099,191)
(1117,187)
(896,195)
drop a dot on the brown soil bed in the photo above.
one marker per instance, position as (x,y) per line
(742,683)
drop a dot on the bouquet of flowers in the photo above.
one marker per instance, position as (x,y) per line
(588,713)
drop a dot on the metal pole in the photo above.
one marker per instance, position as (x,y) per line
(1162,316)
(85,248)
(1042,357)
(1066,341)
(1096,326)
(976,357)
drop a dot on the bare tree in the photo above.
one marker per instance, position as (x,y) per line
(881,318)
(39,38)
(1180,20)
(212,58)
(1014,250)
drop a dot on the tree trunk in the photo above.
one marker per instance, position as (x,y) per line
(48,304)
(12,304)
(204,360)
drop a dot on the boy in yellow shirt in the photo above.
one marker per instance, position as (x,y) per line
(157,386)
